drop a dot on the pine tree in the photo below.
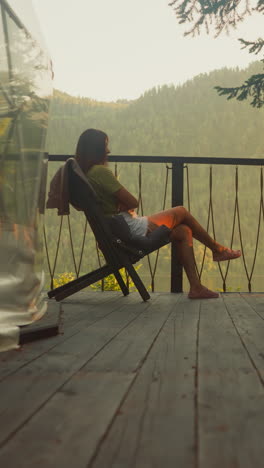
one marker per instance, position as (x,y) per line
(221,15)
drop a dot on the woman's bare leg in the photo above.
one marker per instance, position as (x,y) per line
(179,215)
(182,236)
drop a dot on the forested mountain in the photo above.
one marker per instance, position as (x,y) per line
(187,120)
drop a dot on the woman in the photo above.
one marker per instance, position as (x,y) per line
(92,153)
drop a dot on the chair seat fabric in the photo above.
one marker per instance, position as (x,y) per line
(154,240)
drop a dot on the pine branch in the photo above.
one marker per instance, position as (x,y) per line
(223,14)
(254,46)
(253,87)
(260,6)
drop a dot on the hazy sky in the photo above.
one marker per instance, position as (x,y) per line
(115,49)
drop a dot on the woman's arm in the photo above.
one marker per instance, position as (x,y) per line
(126,201)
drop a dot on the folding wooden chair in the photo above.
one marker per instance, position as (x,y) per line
(117,253)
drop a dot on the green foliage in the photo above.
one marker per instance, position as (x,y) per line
(187,120)
(253,86)
(63,278)
(221,15)
(110,283)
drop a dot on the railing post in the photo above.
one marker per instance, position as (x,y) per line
(176,200)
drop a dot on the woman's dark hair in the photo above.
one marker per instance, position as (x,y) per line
(91,147)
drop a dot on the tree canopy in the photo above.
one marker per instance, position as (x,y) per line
(221,15)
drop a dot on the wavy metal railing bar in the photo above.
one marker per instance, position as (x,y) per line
(82,248)
(240,231)
(126,273)
(140,211)
(224,276)
(156,254)
(188,186)
(189,202)
(163,208)
(249,276)
(211,212)
(207,224)
(47,253)
(77,268)
(99,263)
(178,164)
(52,271)
(140,200)
(71,244)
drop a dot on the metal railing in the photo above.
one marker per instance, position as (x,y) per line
(179,168)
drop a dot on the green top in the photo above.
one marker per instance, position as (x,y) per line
(105,185)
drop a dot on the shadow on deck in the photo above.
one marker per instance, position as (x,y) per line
(168,383)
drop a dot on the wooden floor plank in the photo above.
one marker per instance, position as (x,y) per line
(82,396)
(250,327)
(256,301)
(75,315)
(37,382)
(230,395)
(69,430)
(127,352)
(140,385)
(155,426)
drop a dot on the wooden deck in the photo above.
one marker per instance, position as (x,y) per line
(171,383)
